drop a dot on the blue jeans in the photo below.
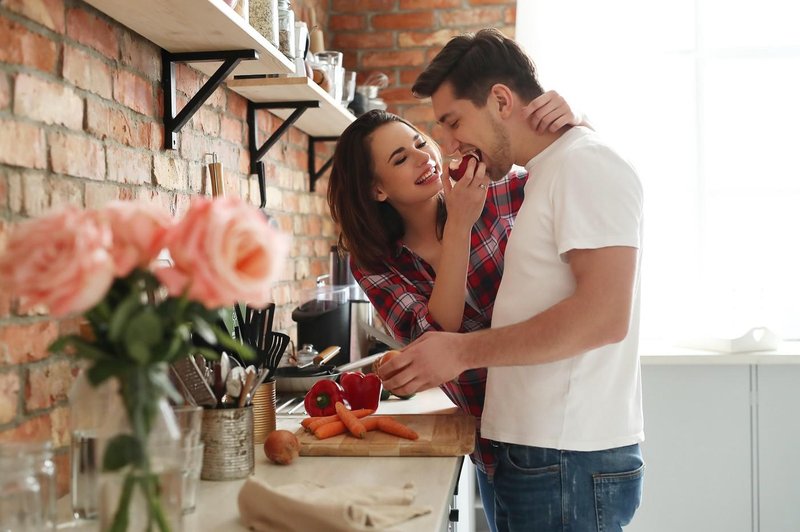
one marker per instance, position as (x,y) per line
(487,497)
(548,490)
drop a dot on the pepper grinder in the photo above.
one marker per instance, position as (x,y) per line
(215,172)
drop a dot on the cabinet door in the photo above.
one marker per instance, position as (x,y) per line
(779,447)
(697,450)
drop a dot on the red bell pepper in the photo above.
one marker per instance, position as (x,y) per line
(321,399)
(362,391)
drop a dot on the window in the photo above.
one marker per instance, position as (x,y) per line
(703,96)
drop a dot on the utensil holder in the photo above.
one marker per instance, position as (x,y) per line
(263,411)
(228,438)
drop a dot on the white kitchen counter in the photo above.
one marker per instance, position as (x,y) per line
(434,477)
(661,355)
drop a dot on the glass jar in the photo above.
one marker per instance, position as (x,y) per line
(331,61)
(286,42)
(21,506)
(263,17)
(40,456)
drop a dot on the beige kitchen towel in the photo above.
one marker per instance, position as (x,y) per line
(305,506)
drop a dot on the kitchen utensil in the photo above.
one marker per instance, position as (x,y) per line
(275,352)
(215,173)
(323,357)
(263,411)
(290,379)
(193,380)
(439,435)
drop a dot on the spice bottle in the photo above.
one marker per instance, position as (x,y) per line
(286,42)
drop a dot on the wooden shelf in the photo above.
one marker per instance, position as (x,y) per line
(329,120)
(197,26)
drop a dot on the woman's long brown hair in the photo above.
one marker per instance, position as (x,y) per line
(368,228)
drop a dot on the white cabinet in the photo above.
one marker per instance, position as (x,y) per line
(778,447)
(697,450)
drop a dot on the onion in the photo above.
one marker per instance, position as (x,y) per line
(281,447)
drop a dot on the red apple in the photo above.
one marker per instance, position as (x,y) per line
(459,168)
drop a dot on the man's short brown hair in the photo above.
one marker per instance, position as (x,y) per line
(473,63)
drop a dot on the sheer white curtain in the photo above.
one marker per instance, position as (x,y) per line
(703,96)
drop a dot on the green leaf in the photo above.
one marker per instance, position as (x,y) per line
(82,348)
(122,515)
(139,352)
(103,370)
(145,327)
(204,329)
(161,382)
(208,353)
(121,451)
(122,315)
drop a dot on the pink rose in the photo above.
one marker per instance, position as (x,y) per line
(60,260)
(138,231)
(223,251)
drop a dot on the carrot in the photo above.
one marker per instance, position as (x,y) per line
(391,426)
(322,420)
(334,428)
(350,421)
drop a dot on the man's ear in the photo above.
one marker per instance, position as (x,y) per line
(503,98)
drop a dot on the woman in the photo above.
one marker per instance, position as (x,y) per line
(416,240)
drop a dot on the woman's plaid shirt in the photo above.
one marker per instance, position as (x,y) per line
(400,294)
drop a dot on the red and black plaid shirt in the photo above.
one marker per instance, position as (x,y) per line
(400,294)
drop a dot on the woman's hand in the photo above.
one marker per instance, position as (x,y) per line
(465,198)
(551,112)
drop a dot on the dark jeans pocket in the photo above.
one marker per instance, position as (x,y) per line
(527,489)
(616,497)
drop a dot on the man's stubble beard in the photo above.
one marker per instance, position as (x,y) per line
(501,158)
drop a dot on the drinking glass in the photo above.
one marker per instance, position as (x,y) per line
(192,465)
(40,456)
(21,505)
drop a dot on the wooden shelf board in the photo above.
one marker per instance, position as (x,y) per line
(329,120)
(197,26)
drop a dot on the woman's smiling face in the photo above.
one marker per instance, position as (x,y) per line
(407,166)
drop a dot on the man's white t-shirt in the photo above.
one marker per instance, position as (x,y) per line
(580,195)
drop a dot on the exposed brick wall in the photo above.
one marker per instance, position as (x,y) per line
(80,123)
(400,37)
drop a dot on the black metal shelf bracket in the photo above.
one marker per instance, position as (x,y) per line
(174,122)
(315,174)
(257,152)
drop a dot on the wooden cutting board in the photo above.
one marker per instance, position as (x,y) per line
(439,435)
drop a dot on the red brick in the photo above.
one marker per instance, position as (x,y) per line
(401,21)
(9,396)
(48,102)
(510,15)
(472,17)
(105,121)
(347,22)
(409,75)
(65,192)
(35,194)
(86,71)
(206,121)
(22,47)
(236,105)
(411,39)
(187,79)
(156,136)
(429,4)
(135,92)
(47,385)
(127,165)
(170,172)
(59,427)
(5,91)
(360,6)
(361,41)
(492,2)
(161,198)
(3,197)
(141,55)
(26,342)
(97,194)
(63,478)
(398,95)
(76,155)
(13,136)
(391,59)
(231,129)
(36,429)
(92,31)
(420,113)
(48,13)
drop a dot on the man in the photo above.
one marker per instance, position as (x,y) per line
(563,399)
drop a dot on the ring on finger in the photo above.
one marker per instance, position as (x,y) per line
(482,185)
